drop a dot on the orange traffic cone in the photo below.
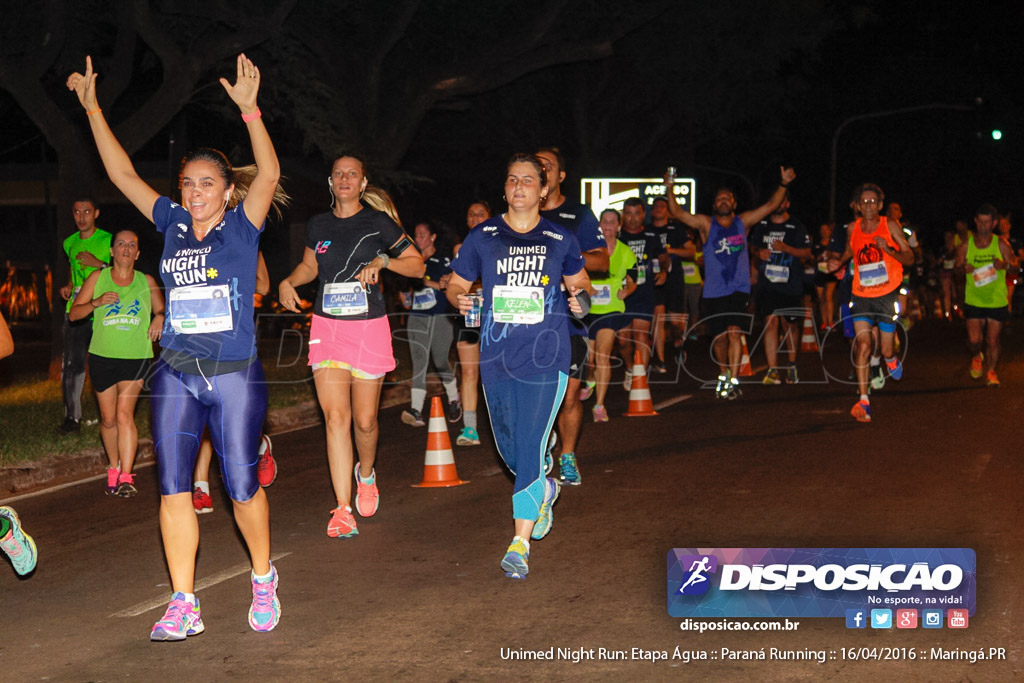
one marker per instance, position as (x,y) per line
(745,369)
(439,463)
(809,340)
(639,392)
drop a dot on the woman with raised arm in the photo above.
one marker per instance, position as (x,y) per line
(208,267)
(522,259)
(350,337)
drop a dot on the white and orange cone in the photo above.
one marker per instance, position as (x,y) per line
(439,462)
(745,369)
(639,391)
(808,340)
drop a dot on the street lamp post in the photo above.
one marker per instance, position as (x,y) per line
(872,115)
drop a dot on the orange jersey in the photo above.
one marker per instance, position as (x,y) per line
(877,273)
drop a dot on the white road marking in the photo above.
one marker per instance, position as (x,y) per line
(672,401)
(202,584)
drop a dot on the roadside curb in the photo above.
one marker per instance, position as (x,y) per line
(70,467)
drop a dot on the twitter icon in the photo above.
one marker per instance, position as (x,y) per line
(881,618)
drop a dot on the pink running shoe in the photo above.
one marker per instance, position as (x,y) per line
(266,466)
(367,495)
(342,524)
(182,619)
(266,608)
(112,474)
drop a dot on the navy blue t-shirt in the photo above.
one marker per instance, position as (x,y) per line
(209,284)
(579,220)
(646,245)
(782,272)
(535,262)
(427,300)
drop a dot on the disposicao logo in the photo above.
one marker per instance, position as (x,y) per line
(817,582)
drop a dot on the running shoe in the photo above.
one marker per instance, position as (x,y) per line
(201,501)
(266,608)
(862,411)
(658,366)
(895,368)
(342,524)
(182,619)
(18,545)
(367,495)
(549,457)
(991,379)
(732,389)
(792,377)
(720,387)
(467,437)
(516,557)
(266,466)
(771,377)
(453,410)
(412,417)
(112,474)
(69,425)
(877,375)
(587,390)
(627,381)
(977,366)
(568,471)
(546,519)
(126,486)
(600,414)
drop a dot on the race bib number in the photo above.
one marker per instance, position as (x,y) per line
(196,310)
(641,273)
(984,275)
(873,274)
(689,270)
(424,299)
(822,266)
(521,305)
(655,266)
(776,273)
(344,298)
(602,295)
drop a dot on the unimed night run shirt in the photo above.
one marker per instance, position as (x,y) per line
(344,246)
(209,284)
(521,275)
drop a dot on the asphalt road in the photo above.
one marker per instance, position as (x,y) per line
(419,594)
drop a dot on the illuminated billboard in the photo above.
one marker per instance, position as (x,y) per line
(603,193)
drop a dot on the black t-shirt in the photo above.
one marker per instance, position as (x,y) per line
(344,246)
(677,235)
(781,272)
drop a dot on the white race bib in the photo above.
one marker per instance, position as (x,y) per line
(602,295)
(776,273)
(641,273)
(872,274)
(689,270)
(195,310)
(423,299)
(822,266)
(984,275)
(521,305)
(344,298)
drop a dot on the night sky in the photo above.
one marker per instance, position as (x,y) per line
(738,87)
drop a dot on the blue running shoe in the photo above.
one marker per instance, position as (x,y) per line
(895,368)
(18,545)
(468,437)
(266,608)
(568,470)
(182,619)
(547,515)
(516,557)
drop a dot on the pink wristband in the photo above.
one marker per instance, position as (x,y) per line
(253,116)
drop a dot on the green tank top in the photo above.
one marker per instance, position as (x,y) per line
(606,292)
(119,329)
(986,286)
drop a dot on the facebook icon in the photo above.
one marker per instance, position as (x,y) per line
(856,618)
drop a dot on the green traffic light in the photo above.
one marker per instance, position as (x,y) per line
(997,134)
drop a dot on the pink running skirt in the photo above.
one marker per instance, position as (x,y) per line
(362,347)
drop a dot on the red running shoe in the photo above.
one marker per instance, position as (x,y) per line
(266,466)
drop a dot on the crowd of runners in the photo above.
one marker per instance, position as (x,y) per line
(542,300)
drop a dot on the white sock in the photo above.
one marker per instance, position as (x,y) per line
(190,598)
(875,360)
(451,389)
(203,486)
(469,418)
(864,398)
(419,396)
(525,541)
(368,480)
(265,577)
